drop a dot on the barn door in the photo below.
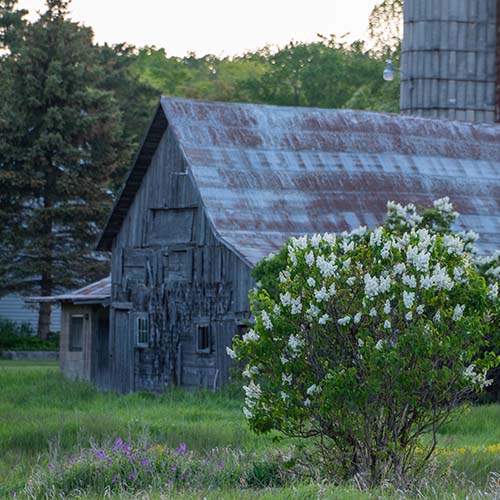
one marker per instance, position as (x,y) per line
(101,352)
(122,351)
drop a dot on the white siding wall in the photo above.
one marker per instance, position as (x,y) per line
(14,308)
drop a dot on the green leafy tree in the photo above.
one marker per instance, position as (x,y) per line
(386,28)
(329,73)
(372,339)
(61,140)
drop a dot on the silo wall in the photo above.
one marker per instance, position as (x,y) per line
(449,59)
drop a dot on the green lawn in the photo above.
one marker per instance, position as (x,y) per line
(45,365)
(42,413)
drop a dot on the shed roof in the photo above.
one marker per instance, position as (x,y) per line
(266,173)
(95,293)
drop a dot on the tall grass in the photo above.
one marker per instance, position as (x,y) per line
(39,408)
(41,413)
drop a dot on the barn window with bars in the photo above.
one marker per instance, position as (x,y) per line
(142,330)
(203,344)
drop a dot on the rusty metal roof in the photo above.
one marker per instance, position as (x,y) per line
(95,293)
(266,173)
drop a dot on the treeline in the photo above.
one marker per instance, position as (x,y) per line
(72,113)
(327,73)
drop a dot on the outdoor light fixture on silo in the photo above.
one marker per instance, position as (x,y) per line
(389,71)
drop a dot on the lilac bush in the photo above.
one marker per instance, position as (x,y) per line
(370,339)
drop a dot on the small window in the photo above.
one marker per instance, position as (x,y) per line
(242,329)
(203,340)
(76,333)
(142,330)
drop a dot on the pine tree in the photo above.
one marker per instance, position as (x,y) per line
(137,99)
(11,23)
(61,140)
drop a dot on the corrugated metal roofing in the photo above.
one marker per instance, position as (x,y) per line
(98,292)
(266,172)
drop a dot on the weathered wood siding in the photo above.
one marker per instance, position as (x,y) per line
(167,263)
(449,60)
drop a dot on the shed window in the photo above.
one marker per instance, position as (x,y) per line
(203,339)
(76,333)
(142,330)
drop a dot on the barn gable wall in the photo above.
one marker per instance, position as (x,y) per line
(166,262)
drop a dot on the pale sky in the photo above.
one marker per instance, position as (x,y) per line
(220,27)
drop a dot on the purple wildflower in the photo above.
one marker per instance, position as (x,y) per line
(51,467)
(114,479)
(182,449)
(220,465)
(145,462)
(118,444)
(132,475)
(173,468)
(100,455)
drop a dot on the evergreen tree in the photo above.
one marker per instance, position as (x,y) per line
(61,140)
(136,98)
(11,23)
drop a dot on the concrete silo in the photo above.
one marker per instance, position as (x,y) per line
(450,60)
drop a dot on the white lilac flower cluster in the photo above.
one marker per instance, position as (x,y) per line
(250,370)
(477,379)
(491,266)
(445,208)
(407,215)
(252,396)
(329,261)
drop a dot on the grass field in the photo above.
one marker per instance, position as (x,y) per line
(42,415)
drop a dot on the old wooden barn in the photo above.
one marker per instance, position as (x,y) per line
(216,187)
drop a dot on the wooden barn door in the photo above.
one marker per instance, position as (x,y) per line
(122,351)
(101,352)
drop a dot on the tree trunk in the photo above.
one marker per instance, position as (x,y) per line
(45,307)
(47,252)
(44,320)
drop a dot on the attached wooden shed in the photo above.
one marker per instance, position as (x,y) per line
(84,346)
(216,187)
